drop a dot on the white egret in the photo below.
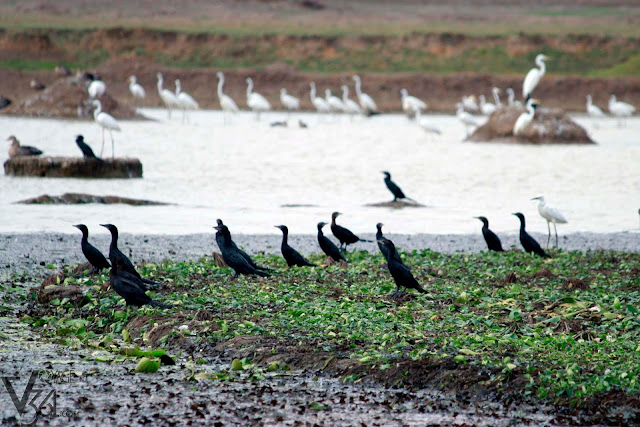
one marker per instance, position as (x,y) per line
(593,110)
(533,77)
(525,119)
(487,108)
(136,90)
(334,102)
(106,121)
(620,109)
(427,124)
(512,98)
(350,106)
(496,96)
(168,98)
(469,103)
(366,102)
(227,104)
(467,119)
(185,101)
(97,88)
(411,104)
(255,101)
(550,214)
(321,105)
(290,102)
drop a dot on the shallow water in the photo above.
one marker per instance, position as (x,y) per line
(245,171)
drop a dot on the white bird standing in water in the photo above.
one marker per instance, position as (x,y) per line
(426,124)
(334,102)
(487,108)
(594,111)
(185,101)
(411,104)
(290,102)
(350,106)
(469,103)
(620,109)
(467,119)
(512,98)
(321,105)
(533,77)
(366,102)
(106,121)
(525,119)
(496,96)
(168,98)
(255,101)
(136,90)
(227,104)
(550,214)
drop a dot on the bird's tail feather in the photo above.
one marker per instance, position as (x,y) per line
(365,240)
(149,281)
(421,290)
(262,273)
(159,304)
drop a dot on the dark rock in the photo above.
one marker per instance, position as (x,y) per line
(397,204)
(80,198)
(550,126)
(76,167)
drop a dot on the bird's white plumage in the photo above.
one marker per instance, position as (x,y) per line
(106,122)
(319,103)
(366,102)
(289,102)
(350,106)
(168,98)
(512,98)
(467,119)
(593,110)
(534,76)
(185,100)
(97,88)
(426,124)
(255,101)
(487,108)
(525,119)
(496,97)
(551,214)
(334,102)
(469,103)
(226,102)
(137,91)
(619,108)
(411,104)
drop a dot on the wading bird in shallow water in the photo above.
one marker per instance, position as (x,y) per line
(137,91)
(366,102)
(185,101)
(550,214)
(321,105)
(620,109)
(93,255)
(106,122)
(289,254)
(529,243)
(290,102)
(168,98)
(328,247)
(344,235)
(594,111)
(493,242)
(227,104)
(255,101)
(467,119)
(399,271)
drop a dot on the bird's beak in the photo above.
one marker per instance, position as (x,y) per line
(76,226)
(476,217)
(536,198)
(104,225)
(514,214)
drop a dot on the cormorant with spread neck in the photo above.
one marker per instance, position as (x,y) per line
(93,255)
(327,246)
(125,263)
(344,235)
(399,271)
(232,256)
(289,254)
(529,243)
(493,242)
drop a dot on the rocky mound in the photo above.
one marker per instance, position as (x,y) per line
(68,97)
(81,198)
(550,126)
(76,167)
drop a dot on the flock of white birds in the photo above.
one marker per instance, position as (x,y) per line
(411,105)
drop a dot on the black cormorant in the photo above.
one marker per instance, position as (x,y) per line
(232,256)
(290,255)
(93,255)
(130,287)
(344,235)
(393,187)
(384,249)
(240,251)
(117,257)
(493,242)
(327,246)
(87,152)
(399,271)
(529,243)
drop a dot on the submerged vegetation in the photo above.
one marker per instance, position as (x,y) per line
(564,330)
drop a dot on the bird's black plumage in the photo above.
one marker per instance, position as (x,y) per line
(289,254)
(240,251)
(344,235)
(232,255)
(529,243)
(399,271)
(117,257)
(327,246)
(393,187)
(493,242)
(93,255)
(384,249)
(130,287)
(87,152)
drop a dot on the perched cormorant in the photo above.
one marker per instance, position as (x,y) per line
(93,255)
(384,249)
(240,251)
(528,243)
(344,235)
(87,152)
(290,255)
(393,187)
(399,271)
(231,254)
(17,150)
(130,287)
(493,242)
(116,256)
(327,246)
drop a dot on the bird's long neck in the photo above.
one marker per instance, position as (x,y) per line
(312,92)
(496,98)
(358,88)
(379,233)
(541,65)
(285,237)
(220,84)
(178,88)
(345,93)
(97,111)
(249,87)
(320,233)
(522,224)
(512,96)
(114,240)
(160,82)
(532,111)
(85,236)
(333,221)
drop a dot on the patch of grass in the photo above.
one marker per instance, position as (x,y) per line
(25,64)
(560,330)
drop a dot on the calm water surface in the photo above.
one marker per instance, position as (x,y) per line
(248,173)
